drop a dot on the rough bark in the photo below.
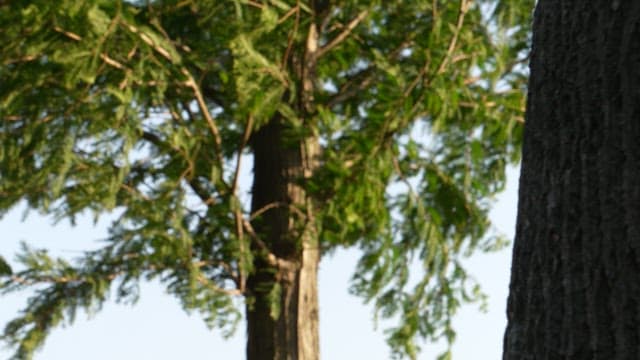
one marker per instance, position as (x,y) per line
(282,309)
(282,313)
(575,285)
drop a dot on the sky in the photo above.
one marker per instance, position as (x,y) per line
(157,327)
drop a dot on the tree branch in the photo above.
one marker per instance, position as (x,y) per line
(464,7)
(353,86)
(343,35)
(245,139)
(362,79)
(197,188)
(207,115)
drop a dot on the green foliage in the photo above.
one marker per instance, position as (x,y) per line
(5,268)
(145,109)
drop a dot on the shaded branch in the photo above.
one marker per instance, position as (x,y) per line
(207,115)
(344,34)
(353,86)
(196,186)
(245,139)
(464,7)
(271,258)
(363,79)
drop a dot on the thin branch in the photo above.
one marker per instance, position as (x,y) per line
(197,188)
(29,281)
(291,36)
(265,208)
(344,34)
(110,277)
(134,192)
(211,285)
(73,36)
(464,7)
(353,86)
(363,79)
(273,205)
(240,235)
(149,41)
(419,77)
(403,178)
(291,11)
(245,139)
(224,265)
(271,258)
(112,62)
(68,34)
(207,115)
(234,187)
(185,108)
(26,58)
(255,4)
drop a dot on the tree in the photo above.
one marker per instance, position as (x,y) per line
(574,287)
(150,110)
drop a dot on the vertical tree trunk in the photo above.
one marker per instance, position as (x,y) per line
(575,286)
(282,314)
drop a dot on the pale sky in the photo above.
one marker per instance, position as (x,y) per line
(157,328)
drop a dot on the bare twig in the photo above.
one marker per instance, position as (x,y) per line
(68,34)
(112,62)
(149,41)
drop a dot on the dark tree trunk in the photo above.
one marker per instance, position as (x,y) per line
(282,308)
(282,304)
(575,286)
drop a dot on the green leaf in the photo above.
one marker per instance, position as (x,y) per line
(99,19)
(5,269)
(96,116)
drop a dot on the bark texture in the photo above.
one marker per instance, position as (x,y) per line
(282,310)
(575,285)
(282,313)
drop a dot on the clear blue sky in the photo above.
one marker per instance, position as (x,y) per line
(157,328)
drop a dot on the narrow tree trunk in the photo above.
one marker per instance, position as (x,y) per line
(282,312)
(575,286)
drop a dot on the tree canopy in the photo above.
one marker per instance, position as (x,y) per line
(147,110)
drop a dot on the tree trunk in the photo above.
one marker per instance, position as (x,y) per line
(282,310)
(575,285)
